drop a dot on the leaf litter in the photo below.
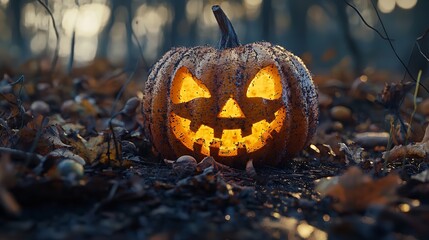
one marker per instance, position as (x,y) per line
(70,168)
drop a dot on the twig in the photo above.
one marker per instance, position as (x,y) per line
(145,66)
(118,156)
(19,98)
(144,63)
(45,121)
(107,200)
(416,91)
(73,41)
(71,59)
(392,47)
(55,58)
(32,158)
(365,22)
(121,91)
(418,44)
(124,86)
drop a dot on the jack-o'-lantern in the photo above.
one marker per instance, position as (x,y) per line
(255,101)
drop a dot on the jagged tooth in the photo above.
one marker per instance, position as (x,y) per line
(270,118)
(198,145)
(194,126)
(273,134)
(215,143)
(264,137)
(217,133)
(241,148)
(214,147)
(246,130)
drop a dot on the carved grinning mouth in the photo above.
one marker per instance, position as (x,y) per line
(231,142)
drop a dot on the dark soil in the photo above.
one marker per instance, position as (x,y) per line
(143,197)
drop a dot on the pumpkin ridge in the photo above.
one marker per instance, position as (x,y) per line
(299,124)
(264,47)
(162,60)
(309,94)
(189,53)
(160,112)
(149,86)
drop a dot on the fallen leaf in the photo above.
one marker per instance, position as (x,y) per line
(99,148)
(356,191)
(292,228)
(353,156)
(250,169)
(416,150)
(7,179)
(422,177)
(65,153)
(211,162)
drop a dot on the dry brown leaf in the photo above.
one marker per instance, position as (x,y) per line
(96,148)
(52,135)
(356,191)
(103,148)
(422,176)
(211,162)
(108,85)
(65,153)
(416,150)
(250,169)
(9,203)
(7,178)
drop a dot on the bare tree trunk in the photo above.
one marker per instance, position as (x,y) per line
(18,40)
(298,15)
(132,58)
(104,37)
(267,20)
(178,33)
(350,41)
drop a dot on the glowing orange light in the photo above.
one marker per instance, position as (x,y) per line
(266,84)
(185,87)
(231,110)
(231,139)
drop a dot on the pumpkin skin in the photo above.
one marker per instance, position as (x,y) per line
(255,101)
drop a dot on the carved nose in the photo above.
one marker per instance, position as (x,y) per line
(231,109)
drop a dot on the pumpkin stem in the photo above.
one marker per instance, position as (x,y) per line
(229,37)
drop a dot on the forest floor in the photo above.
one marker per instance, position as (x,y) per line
(348,184)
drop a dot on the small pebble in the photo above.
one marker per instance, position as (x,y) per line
(68,108)
(185,166)
(341,113)
(70,169)
(40,108)
(423,107)
(324,100)
(337,126)
(372,139)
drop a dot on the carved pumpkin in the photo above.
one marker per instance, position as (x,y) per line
(255,101)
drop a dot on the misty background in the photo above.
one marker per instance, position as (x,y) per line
(325,33)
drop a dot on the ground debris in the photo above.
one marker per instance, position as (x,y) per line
(355,191)
(75,164)
(416,150)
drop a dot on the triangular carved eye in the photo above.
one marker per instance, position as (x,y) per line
(266,84)
(186,87)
